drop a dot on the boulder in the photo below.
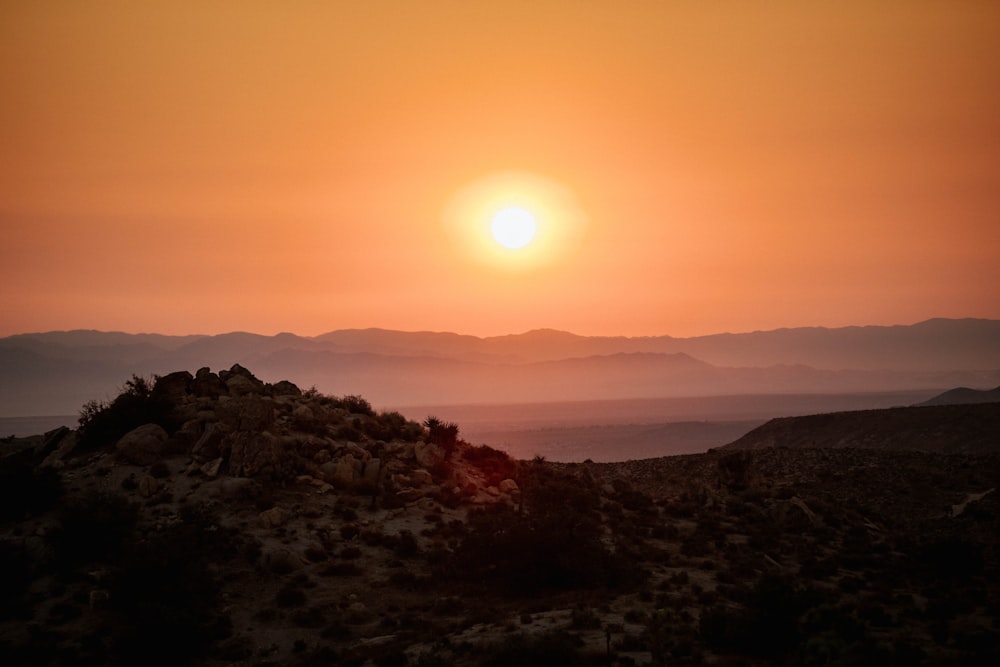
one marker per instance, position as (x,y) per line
(509,486)
(208,446)
(343,471)
(253,454)
(187,436)
(207,384)
(50,441)
(212,468)
(428,454)
(285,388)
(420,477)
(144,445)
(172,387)
(239,381)
(248,413)
(65,447)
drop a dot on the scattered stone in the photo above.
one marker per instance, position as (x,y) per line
(212,468)
(98,598)
(509,486)
(274,517)
(148,486)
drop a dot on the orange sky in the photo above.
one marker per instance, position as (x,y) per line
(202,167)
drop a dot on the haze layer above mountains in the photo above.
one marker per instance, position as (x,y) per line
(56,372)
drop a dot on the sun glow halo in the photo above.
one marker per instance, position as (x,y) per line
(514,221)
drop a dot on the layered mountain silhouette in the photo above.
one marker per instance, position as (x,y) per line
(56,372)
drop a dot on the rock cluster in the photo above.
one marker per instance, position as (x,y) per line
(233,424)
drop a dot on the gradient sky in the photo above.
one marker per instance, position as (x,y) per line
(203,167)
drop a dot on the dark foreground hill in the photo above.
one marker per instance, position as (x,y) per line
(218,520)
(942,428)
(965,396)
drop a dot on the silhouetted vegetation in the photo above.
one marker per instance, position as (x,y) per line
(103,422)
(553,543)
(26,489)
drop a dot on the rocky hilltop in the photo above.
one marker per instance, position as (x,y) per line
(215,519)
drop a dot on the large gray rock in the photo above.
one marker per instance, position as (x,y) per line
(285,388)
(239,381)
(144,445)
(172,387)
(207,384)
(428,454)
(248,413)
(209,445)
(343,471)
(256,454)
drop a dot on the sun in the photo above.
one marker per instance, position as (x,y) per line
(513,227)
(514,221)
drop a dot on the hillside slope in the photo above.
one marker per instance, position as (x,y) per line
(216,520)
(945,428)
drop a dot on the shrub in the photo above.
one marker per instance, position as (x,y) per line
(93,528)
(555,543)
(496,465)
(165,594)
(355,405)
(103,422)
(556,649)
(26,490)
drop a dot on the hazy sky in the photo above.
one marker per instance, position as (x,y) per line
(694,167)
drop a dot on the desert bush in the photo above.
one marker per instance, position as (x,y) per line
(355,405)
(16,567)
(496,465)
(392,426)
(442,433)
(93,528)
(165,594)
(26,490)
(556,649)
(554,543)
(290,596)
(104,422)
(768,623)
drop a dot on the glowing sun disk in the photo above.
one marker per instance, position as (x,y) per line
(513,227)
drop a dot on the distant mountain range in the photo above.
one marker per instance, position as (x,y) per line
(56,372)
